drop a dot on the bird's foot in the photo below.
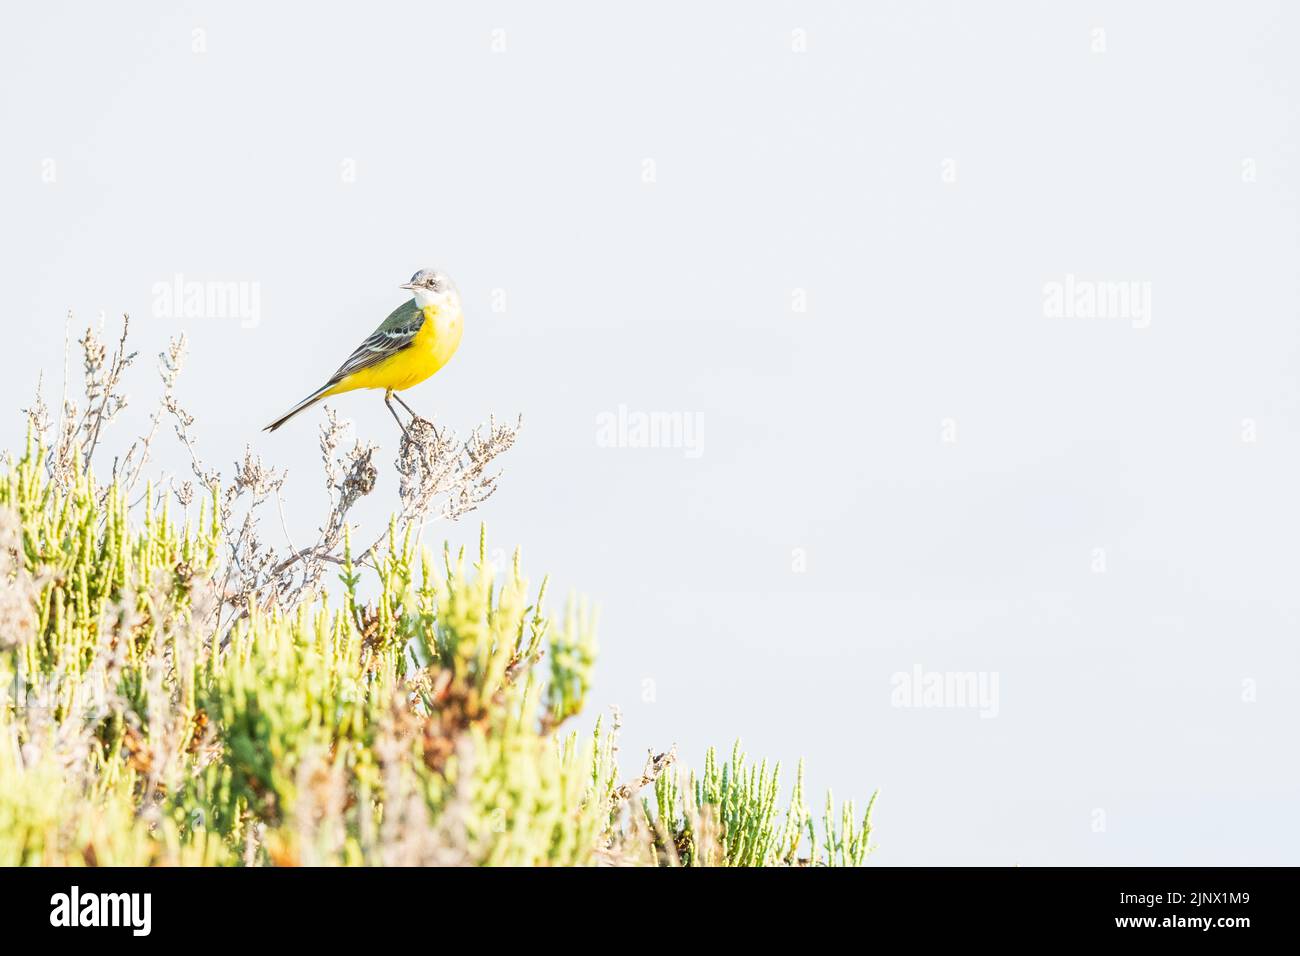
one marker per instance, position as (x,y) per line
(419,430)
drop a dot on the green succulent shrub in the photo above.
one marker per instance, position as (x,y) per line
(165,704)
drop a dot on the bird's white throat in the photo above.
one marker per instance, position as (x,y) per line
(439,300)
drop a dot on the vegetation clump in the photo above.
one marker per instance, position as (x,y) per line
(176,691)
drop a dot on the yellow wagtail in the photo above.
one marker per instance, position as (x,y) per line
(419,338)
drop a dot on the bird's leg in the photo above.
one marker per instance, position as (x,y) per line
(416,416)
(388,400)
(404,405)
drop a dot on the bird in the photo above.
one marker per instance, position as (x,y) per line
(415,341)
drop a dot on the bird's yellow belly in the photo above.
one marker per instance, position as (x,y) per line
(431,349)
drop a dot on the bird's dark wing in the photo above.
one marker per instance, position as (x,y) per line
(394,334)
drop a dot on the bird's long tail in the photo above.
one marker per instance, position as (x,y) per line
(306,403)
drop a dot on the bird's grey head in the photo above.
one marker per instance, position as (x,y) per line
(431,287)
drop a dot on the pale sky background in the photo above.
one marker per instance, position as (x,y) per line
(1169,158)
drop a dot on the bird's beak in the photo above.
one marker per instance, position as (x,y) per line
(406,285)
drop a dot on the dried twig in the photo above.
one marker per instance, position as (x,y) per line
(654,766)
(440,477)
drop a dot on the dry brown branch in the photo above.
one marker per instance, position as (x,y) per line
(102,377)
(440,476)
(655,765)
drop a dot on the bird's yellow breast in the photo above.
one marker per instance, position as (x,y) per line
(431,349)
